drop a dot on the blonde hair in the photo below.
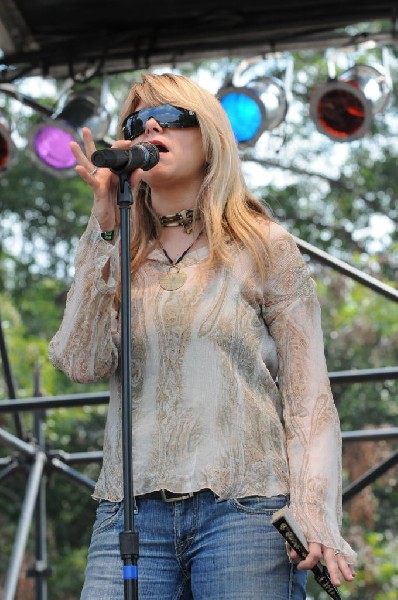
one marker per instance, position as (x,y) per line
(229,211)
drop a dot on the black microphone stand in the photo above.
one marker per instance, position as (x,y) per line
(128,539)
(144,156)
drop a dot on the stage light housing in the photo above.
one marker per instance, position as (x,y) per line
(259,106)
(8,151)
(49,140)
(85,110)
(343,108)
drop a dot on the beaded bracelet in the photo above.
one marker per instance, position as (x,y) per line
(107,235)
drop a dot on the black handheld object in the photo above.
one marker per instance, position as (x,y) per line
(141,156)
(288,527)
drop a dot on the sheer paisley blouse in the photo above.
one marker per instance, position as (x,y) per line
(229,381)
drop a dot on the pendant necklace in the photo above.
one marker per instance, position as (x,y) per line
(174,278)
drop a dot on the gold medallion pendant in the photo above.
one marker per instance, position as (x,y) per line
(173,279)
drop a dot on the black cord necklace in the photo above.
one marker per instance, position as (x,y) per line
(174,278)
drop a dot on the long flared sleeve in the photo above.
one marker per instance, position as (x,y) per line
(292,313)
(85,346)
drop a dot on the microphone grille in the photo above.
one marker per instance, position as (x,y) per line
(151,155)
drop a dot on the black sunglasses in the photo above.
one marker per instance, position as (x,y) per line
(166,115)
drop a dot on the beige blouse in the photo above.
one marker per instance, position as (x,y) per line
(207,412)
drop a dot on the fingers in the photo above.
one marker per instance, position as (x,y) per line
(102,181)
(332,565)
(83,155)
(89,144)
(335,562)
(292,554)
(84,166)
(313,557)
(337,567)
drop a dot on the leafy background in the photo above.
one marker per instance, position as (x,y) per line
(341,198)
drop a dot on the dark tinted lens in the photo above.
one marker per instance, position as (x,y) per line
(166,115)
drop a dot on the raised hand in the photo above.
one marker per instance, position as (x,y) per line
(103,182)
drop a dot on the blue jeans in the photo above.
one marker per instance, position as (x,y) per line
(200,548)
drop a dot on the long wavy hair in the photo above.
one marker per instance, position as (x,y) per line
(228,210)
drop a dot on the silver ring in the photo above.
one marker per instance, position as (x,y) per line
(93,172)
(337,552)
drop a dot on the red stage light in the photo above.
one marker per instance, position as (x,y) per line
(341,111)
(7,146)
(343,108)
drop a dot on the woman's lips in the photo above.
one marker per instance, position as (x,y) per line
(159,145)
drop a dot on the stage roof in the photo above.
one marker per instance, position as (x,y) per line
(59,38)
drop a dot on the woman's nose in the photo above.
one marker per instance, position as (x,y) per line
(152,125)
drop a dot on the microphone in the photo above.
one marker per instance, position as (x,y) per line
(141,156)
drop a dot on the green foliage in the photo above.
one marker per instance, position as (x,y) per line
(50,214)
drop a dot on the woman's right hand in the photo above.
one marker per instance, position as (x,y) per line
(103,182)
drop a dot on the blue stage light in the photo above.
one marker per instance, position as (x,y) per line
(259,106)
(245,114)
